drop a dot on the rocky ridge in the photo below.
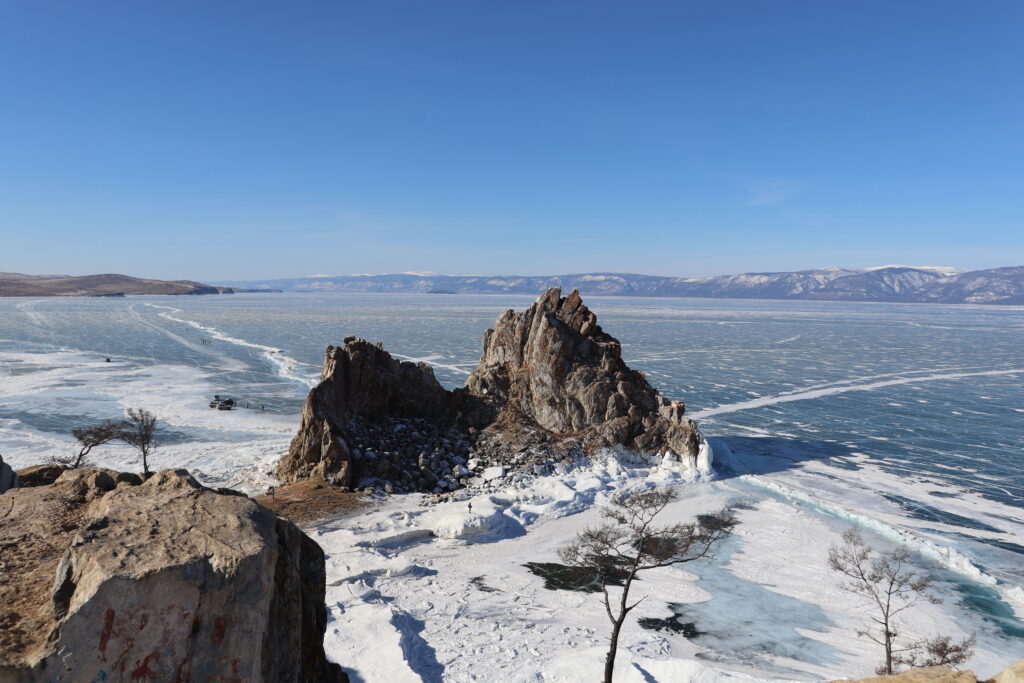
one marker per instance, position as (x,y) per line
(110,284)
(551,384)
(107,577)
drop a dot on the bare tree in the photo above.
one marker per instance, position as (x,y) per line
(89,438)
(139,431)
(890,587)
(630,542)
(939,651)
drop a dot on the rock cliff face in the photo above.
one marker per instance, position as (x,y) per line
(549,379)
(554,366)
(157,581)
(360,382)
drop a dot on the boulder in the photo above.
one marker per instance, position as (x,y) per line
(493,473)
(163,580)
(8,477)
(40,475)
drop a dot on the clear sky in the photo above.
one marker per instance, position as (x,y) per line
(218,140)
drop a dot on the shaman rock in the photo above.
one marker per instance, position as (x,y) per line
(549,380)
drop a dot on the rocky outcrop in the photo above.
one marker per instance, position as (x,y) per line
(553,366)
(550,379)
(110,579)
(360,383)
(8,478)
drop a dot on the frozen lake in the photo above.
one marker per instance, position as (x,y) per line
(904,419)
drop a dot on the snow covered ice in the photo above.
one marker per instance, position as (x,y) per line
(447,595)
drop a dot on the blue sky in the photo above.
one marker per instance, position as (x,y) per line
(220,140)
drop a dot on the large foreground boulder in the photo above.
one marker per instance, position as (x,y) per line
(108,579)
(549,379)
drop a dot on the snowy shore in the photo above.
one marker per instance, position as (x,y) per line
(444,593)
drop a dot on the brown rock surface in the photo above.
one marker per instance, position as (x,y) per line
(550,379)
(930,674)
(556,367)
(943,674)
(162,581)
(40,475)
(310,500)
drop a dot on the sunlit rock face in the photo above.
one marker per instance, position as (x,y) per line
(359,381)
(112,579)
(553,365)
(550,379)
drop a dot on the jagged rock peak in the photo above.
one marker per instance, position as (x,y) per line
(552,364)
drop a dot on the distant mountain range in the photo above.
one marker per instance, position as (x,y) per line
(924,284)
(18,284)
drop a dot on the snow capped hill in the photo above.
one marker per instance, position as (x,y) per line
(892,283)
(994,286)
(881,284)
(947,271)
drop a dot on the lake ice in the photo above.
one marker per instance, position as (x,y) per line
(903,419)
